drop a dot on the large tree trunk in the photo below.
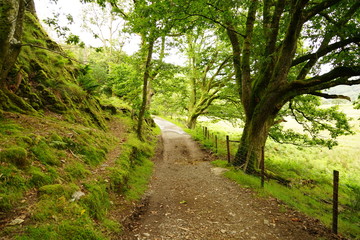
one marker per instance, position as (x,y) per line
(250,149)
(11,28)
(255,133)
(191,121)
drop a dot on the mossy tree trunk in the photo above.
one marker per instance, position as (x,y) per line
(11,29)
(281,73)
(255,133)
(146,77)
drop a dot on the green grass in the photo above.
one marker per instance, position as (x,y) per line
(138,180)
(57,161)
(306,200)
(308,168)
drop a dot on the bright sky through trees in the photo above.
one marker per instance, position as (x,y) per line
(46,9)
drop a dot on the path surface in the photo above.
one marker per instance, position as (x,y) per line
(188,199)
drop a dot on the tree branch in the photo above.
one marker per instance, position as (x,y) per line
(118,10)
(319,7)
(246,70)
(330,96)
(341,75)
(324,51)
(217,22)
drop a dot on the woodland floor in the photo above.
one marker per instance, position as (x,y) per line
(190,199)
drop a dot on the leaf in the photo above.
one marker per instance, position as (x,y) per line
(82,212)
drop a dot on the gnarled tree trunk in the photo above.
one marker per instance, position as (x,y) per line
(252,141)
(11,28)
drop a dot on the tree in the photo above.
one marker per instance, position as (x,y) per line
(209,72)
(11,28)
(152,21)
(144,19)
(278,48)
(104,25)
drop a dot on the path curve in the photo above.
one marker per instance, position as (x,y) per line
(189,199)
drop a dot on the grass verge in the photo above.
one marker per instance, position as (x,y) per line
(309,171)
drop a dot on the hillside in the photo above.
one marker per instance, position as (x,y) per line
(65,160)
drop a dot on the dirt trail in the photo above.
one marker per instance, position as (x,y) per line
(188,199)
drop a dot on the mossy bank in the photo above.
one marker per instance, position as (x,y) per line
(67,159)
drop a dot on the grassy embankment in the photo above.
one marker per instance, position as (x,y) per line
(309,169)
(58,140)
(44,161)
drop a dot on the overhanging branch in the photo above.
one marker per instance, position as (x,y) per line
(330,96)
(326,50)
(320,7)
(337,76)
(217,22)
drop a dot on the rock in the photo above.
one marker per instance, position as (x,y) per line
(16,221)
(76,196)
(266,222)
(218,171)
(146,234)
(223,231)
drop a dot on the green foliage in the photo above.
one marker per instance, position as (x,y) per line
(87,79)
(125,82)
(319,125)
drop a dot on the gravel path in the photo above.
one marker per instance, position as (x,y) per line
(189,199)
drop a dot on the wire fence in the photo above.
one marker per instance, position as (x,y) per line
(214,140)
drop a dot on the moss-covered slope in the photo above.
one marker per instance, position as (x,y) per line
(44,80)
(65,164)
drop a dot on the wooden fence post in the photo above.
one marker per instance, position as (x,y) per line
(335,202)
(262,165)
(228,148)
(216,144)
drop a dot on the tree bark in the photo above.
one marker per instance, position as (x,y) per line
(150,48)
(11,28)
(191,122)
